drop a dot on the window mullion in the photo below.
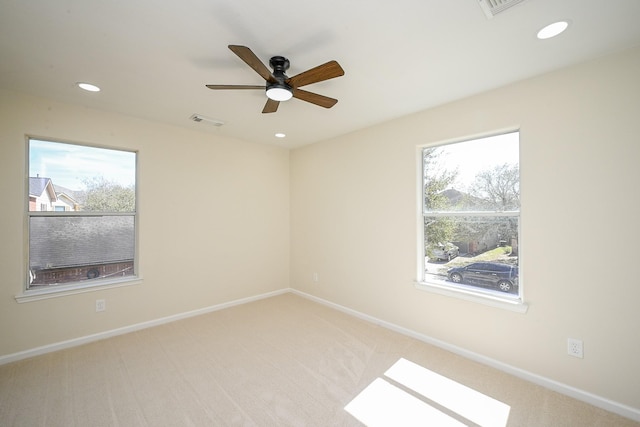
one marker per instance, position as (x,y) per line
(77,213)
(472,213)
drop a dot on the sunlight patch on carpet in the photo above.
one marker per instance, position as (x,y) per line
(383,403)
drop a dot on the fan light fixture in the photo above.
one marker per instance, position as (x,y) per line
(279,92)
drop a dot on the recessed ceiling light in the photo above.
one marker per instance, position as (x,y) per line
(88,87)
(280,135)
(552,30)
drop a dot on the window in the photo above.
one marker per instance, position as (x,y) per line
(471,217)
(82,215)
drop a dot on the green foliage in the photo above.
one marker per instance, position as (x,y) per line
(438,230)
(107,196)
(496,254)
(436,180)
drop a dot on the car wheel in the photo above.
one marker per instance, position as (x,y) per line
(505,286)
(456,278)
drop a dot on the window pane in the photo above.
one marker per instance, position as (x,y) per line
(80,248)
(82,207)
(487,243)
(476,175)
(69,177)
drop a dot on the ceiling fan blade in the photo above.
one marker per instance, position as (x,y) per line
(320,73)
(252,61)
(314,98)
(216,87)
(271,106)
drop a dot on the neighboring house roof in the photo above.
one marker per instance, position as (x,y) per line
(57,242)
(63,197)
(454,196)
(38,185)
(76,196)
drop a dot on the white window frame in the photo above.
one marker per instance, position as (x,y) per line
(508,302)
(35,294)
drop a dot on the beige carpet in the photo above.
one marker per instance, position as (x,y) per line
(283,361)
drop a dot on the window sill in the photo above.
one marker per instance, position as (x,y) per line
(61,291)
(513,304)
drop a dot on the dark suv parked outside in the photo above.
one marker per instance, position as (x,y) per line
(493,274)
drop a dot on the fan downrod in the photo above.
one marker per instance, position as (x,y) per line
(280,64)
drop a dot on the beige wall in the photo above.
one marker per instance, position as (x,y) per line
(214,221)
(353,221)
(220,218)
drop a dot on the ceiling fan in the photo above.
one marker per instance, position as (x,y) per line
(279,87)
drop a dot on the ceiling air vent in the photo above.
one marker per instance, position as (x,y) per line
(200,118)
(493,7)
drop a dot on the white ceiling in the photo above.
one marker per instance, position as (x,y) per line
(152,58)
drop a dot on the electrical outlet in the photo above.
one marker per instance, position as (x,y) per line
(101,305)
(316,277)
(574,348)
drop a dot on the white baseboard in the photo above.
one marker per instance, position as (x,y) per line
(132,328)
(590,398)
(598,401)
